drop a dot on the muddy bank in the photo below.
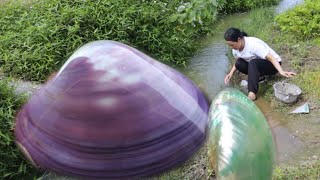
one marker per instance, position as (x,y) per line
(297,136)
(304,127)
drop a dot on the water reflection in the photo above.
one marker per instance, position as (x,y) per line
(287,4)
(208,68)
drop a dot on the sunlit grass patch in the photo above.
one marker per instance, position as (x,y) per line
(310,171)
(309,82)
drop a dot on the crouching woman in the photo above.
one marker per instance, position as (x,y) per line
(254,58)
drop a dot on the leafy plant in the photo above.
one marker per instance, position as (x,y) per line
(302,22)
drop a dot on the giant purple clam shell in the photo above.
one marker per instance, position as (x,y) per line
(112,112)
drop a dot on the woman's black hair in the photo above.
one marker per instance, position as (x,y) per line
(232,34)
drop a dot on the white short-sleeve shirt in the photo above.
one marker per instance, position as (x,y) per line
(255,48)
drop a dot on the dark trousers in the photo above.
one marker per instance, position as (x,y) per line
(254,69)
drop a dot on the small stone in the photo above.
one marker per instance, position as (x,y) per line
(315,157)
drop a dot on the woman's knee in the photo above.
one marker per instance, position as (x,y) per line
(241,64)
(254,62)
(238,64)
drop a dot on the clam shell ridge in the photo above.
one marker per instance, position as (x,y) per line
(112,112)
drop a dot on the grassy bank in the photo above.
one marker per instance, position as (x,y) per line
(38,36)
(12,164)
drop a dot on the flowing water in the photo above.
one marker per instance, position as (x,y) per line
(209,67)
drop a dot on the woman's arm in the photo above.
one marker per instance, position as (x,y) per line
(233,69)
(228,76)
(276,64)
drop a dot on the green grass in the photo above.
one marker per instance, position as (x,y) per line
(12,164)
(197,167)
(309,80)
(309,171)
(39,36)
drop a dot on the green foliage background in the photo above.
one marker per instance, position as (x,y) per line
(36,38)
(234,6)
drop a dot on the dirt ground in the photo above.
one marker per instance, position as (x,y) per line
(303,128)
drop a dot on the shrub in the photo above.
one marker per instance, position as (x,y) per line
(235,6)
(302,22)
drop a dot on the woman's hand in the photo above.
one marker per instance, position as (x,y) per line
(227,78)
(287,74)
(278,67)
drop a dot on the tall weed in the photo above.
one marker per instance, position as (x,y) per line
(259,22)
